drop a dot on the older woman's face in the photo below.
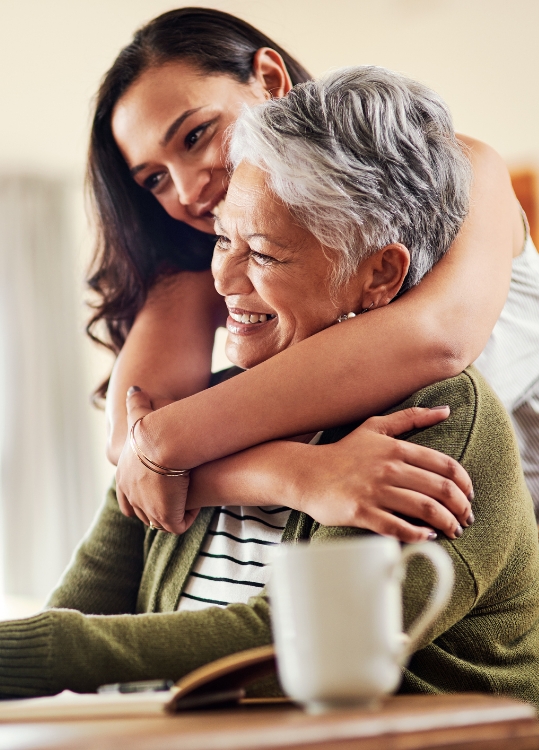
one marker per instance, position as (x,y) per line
(272,273)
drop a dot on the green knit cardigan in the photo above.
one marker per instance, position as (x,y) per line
(112,617)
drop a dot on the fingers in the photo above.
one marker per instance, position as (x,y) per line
(424,508)
(386,524)
(138,404)
(123,502)
(444,468)
(414,418)
(141,515)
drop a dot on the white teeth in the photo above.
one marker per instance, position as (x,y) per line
(216,210)
(250,317)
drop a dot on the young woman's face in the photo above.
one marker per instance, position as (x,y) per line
(169,126)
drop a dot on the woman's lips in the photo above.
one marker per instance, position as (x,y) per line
(245,322)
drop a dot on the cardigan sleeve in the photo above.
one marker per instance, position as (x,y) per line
(65,649)
(104,575)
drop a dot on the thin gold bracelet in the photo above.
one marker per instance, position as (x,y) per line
(148,463)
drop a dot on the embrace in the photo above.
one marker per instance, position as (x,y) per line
(345,193)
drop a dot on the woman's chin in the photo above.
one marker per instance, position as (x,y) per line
(244,356)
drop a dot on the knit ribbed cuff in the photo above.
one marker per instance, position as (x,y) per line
(25,656)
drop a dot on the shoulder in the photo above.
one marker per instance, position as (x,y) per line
(463,395)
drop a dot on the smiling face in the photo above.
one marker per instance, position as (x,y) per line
(169,127)
(273,273)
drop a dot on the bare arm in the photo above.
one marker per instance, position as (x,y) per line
(362,367)
(168,350)
(372,476)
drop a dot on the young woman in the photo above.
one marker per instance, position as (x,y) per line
(158,163)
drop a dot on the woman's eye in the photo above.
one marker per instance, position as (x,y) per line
(261,259)
(192,137)
(154,180)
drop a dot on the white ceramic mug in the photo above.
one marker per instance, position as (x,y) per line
(337,617)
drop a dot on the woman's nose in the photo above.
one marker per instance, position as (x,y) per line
(230,273)
(190,184)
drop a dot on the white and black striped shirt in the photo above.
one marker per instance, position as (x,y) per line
(232,565)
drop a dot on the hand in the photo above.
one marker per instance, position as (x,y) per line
(153,498)
(368,476)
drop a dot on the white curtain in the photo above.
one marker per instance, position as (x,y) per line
(47,477)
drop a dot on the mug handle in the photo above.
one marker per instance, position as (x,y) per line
(440,594)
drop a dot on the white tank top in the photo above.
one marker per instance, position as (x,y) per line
(510,361)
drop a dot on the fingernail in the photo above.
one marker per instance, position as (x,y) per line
(470,519)
(435,408)
(133,389)
(459,531)
(471,496)
(432,536)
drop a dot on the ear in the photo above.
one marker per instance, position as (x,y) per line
(270,71)
(385,275)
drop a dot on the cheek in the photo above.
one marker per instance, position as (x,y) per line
(170,202)
(217,152)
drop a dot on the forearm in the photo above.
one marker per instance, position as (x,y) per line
(168,350)
(61,649)
(264,475)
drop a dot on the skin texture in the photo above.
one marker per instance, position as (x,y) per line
(265,263)
(431,333)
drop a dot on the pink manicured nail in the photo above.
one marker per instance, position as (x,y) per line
(435,408)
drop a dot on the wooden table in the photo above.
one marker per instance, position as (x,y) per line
(453,722)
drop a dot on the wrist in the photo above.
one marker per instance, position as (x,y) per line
(295,476)
(156,443)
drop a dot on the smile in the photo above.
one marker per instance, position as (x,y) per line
(251,317)
(245,321)
(216,210)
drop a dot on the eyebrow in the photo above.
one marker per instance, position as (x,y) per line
(220,230)
(258,235)
(169,135)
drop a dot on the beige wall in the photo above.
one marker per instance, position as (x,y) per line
(481,55)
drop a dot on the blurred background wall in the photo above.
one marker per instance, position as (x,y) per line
(481,55)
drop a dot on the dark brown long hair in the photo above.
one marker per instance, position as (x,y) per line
(136,239)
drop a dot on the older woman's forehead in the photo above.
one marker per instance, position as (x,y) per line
(251,203)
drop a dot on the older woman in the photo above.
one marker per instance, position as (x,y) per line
(345,195)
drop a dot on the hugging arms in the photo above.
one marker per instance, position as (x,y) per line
(430,333)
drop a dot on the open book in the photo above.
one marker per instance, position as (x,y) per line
(220,682)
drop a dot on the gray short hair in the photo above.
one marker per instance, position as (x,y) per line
(363,158)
